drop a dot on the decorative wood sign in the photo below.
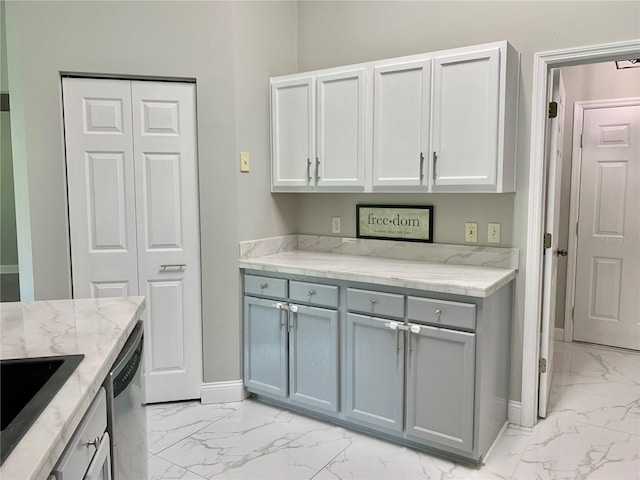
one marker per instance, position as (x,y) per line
(395,222)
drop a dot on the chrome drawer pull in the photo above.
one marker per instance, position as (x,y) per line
(438,312)
(94,443)
(311,293)
(372,302)
(263,286)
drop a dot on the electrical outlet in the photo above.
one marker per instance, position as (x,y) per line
(245,161)
(471,232)
(493,233)
(335,225)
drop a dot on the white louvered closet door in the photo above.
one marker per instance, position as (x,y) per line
(134,215)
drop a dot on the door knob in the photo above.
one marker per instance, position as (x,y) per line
(562,253)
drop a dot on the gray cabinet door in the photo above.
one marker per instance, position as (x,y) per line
(440,387)
(375,372)
(313,357)
(265,347)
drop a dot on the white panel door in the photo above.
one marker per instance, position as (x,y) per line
(292,134)
(607,297)
(100,177)
(466,91)
(555,133)
(340,123)
(401,126)
(164,133)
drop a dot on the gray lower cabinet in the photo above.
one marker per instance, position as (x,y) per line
(375,372)
(291,350)
(440,386)
(426,370)
(265,347)
(313,358)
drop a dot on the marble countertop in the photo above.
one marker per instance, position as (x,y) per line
(469,280)
(97,328)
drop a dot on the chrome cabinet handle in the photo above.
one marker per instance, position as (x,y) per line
(179,266)
(372,302)
(308,170)
(311,293)
(94,443)
(317,169)
(435,160)
(421,167)
(438,312)
(263,286)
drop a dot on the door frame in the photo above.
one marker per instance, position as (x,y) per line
(576,170)
(543,62)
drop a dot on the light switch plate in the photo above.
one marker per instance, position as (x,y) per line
(245,161)
(471,232)
(493,233)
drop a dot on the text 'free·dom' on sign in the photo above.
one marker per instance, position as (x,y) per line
(412,223)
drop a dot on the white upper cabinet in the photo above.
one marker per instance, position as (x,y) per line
(292,133)
(401,125)
(468,128)
(435,122)
(318,132)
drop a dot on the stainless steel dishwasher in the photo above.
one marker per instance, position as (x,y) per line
(126,417)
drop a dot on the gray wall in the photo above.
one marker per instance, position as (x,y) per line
(179,39)
(598,81)
(338,33)
(8,243)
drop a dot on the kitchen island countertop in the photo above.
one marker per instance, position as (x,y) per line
(97,328)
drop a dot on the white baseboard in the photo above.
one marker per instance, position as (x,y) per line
(6,269)
(513,413)
(222,392)
(559,334)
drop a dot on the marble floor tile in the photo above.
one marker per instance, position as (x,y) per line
(168,423)
(605,404)
(260,441)
(562,448)
(593,363)
(160,469)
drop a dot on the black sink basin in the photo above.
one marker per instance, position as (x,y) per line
(27,385)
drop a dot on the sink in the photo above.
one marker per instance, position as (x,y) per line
(27,385)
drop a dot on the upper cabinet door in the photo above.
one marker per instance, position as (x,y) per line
(401,125)
(292,134)
(340,147)
(466,106)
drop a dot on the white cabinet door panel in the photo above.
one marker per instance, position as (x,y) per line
(465,120)
(164,126)
(99,150)
(340,138)
(292,133)
(401,124)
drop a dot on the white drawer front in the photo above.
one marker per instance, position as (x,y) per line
(375,303)
(441,312)
(265,286)
(313,293)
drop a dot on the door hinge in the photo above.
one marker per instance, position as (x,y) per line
(581,137)
(542,365)
(577,228)
(573,311)
(547,240)
(553,109)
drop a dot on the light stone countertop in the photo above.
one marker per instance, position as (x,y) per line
(469,280)
(97,328)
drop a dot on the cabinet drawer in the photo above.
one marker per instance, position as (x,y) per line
(265,286)
(375,303)
(313,293)
(441,312)
(78,454)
